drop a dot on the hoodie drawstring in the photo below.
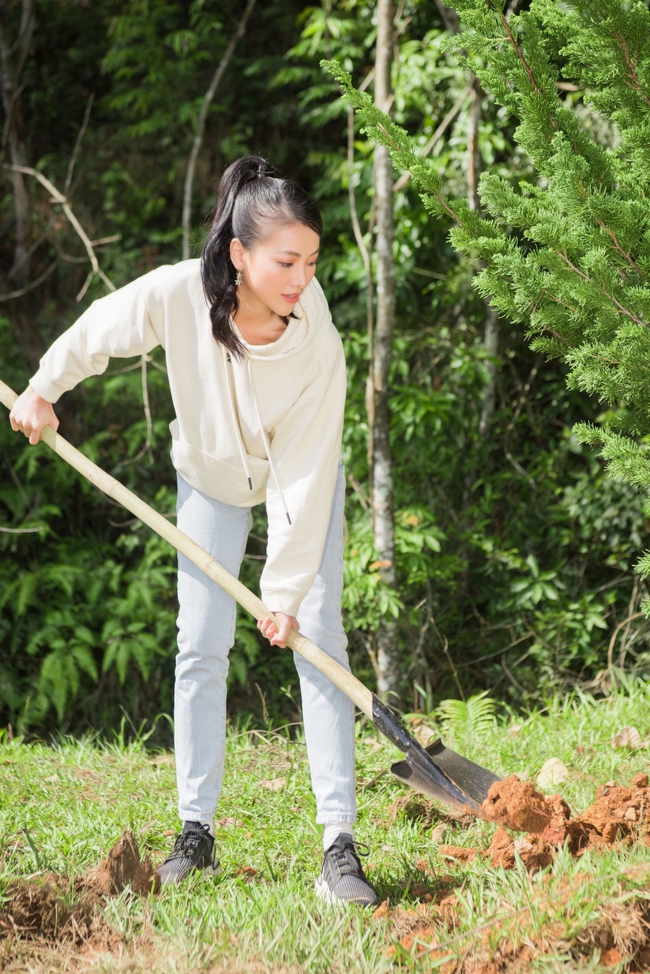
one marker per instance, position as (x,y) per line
(267,445)
(235,420)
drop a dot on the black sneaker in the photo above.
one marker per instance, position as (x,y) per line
(193,849)
(342,879)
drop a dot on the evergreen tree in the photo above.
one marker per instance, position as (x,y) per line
(569,257)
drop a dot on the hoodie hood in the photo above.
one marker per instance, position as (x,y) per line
(311,318)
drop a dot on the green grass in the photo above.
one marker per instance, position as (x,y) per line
(63,806)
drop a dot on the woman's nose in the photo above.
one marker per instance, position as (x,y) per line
(299,277)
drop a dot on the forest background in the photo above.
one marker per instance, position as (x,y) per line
(514,551)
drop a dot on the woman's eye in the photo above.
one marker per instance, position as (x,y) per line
(285,265)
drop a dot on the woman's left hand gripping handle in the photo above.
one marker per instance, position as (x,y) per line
(278,637)
(31,413)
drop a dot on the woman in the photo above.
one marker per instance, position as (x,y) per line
(257,377)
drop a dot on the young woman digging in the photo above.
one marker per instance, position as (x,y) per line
(258,381)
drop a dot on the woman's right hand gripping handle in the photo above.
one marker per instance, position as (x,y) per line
(31,413)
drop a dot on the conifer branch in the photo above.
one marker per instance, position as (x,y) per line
(612,235)
(620,307)
(635,85)
(529,71)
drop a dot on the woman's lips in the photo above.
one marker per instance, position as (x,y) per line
(291,298)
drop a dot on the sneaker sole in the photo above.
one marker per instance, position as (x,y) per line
(323,892)
(213,870)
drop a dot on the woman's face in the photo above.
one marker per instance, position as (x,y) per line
(276,270)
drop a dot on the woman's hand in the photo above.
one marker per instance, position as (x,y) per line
(31,413)
(278,637)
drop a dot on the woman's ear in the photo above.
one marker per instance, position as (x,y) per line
(237,253)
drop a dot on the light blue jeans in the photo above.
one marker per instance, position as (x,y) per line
(206,631)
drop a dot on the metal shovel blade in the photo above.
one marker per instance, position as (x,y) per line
(471,779)
(419,766)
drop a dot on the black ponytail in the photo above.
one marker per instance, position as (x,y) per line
(251,203)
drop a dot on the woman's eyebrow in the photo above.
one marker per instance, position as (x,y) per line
(292,253)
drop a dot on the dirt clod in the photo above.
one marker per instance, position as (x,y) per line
(459,853)
(518,805)
(36,908)
(56,909)
(122,867)
(502,849)
(617,812)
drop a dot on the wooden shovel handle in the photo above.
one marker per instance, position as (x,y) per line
(339,676)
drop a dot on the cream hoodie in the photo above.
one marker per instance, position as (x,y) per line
(268,428)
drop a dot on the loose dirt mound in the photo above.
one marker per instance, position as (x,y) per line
(617,814)
(421,928)
(516,804)
(620,937)
(122,867)
(54,908)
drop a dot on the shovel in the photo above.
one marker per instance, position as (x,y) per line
(437,771)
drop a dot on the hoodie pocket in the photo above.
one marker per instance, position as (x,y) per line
(223,478)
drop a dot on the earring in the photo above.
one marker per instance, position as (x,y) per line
(238,278)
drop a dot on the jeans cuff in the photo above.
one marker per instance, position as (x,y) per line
(332,818)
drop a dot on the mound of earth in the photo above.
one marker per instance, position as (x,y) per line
(122,867)
(54,908)
(516,804)
(618,813)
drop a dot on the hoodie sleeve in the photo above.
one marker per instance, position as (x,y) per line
(128,322)
(307,451)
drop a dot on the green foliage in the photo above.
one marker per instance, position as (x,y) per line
(514,551)
(467,721)
(568,258)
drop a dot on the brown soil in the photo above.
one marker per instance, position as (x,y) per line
(53,908)
(617,814)
(621,934)
(457,852)
(420,928)
(516,804)
(122,867)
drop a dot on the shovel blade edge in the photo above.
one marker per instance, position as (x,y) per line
(472,779)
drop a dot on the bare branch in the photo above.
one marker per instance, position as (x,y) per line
(77,144)
(29,287)
(147,415)
(200,126)
(23,42)
(59,198)
(10,110)
(23,530)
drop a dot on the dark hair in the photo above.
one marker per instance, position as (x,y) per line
(251,203)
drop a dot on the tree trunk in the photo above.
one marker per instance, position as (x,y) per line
(19,310)
(473,153)
(491,333)
(388,682)
(12,60)
(200,126)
